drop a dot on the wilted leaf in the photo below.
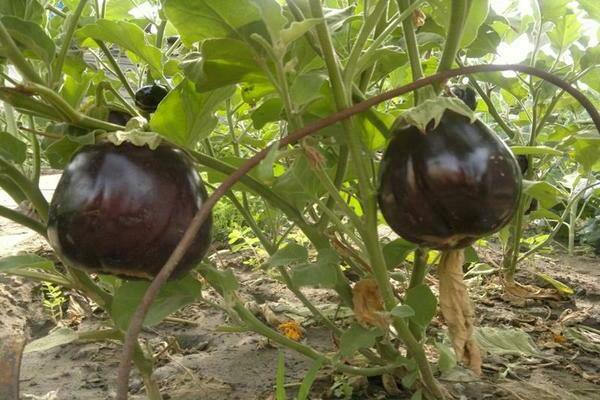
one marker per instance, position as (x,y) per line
(59,337)
(457,309)
(505,341)
(368,304)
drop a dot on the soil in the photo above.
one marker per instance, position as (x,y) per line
(197,361)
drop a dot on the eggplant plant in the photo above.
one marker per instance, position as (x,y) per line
(319,122)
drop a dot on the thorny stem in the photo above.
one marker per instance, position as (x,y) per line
(202,214)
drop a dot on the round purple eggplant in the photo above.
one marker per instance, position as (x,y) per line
(123,209)
(449,186)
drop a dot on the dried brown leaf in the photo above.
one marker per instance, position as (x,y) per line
(368,304)
(530,292)
(457,309)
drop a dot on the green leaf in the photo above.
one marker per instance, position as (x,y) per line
(486,42)
(172,296)
(223,62)
(269,111)
(512,85)
(477,15)
(324,273)
(31,38)
(586,151)
(505,341)
(547,194)
(264,170)
(309,379)
(592,7)
(403,311)
(356,338)
(28,10)
(561,287)
(421,299)
(61,151)
(447,360)
(58,337)
(307,88)
(74,89)
(119,9)
(297,29)
(292,253)
(280,393)
(197,20)
(535,150)
(552,10)
(396,251)
(185,116)
(271,16)
(224,281)
(299,184)
(12,149)
(126,35)
(24,261)
(566,31)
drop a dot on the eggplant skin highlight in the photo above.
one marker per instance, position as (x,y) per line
(123,209)
(449,186)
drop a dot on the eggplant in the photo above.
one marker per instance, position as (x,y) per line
(466,94)
(118,117)
(148,97)
(450,185)
(123,209)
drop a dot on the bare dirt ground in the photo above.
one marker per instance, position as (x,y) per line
(195,361)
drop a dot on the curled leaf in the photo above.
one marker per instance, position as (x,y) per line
(457,309)
(368,304)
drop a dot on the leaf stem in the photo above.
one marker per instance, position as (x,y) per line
(116,68)
(458,15)
(33,193)
(71,24)
(16,56)
(22,219)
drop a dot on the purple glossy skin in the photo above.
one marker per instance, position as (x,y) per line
(450,186)
(123,209)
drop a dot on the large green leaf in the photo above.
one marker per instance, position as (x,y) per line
(197,20)
(223,62)
(292,253)
(299,184)
(58,337)
(566,31)
(423,301)
(396,251)
(586,151)
(172,296)
(356,338)
(477,14)
(547,194)
(24,261)
(12,149)
(592,7)
(272,16)
(324,273)
(31,38)
(28,10)
(126,35)
(186,116)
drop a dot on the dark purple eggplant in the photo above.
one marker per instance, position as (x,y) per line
(148,97)
(123,209)
(118,117)
(466,94)
(449,186)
